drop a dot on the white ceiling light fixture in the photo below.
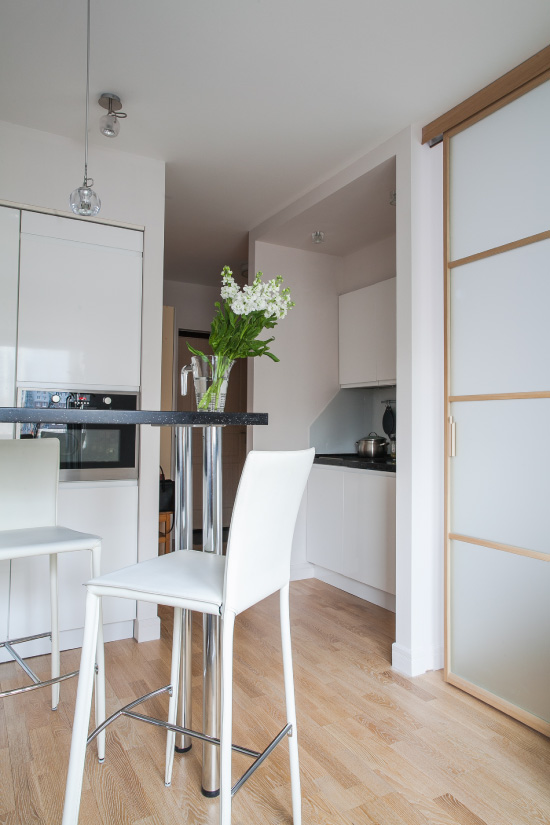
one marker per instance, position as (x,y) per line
(108,124)
(84,200)
(318,237)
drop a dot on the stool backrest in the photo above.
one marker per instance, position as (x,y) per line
(262,525)
(29,474)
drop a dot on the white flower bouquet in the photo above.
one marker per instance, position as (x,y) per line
(238,322)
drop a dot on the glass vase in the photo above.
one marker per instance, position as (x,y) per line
(210,377)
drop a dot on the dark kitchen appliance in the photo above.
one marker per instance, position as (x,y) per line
(388,425)
(87,451)
(388,419)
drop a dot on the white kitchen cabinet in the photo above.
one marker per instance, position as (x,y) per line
(351,524)
(9,277)
(369,528)
(4,603)
(325,518)
(107,509)
(367,336)
(80,288)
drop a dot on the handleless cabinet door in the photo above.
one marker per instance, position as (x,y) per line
(4,605)
(386,349)
(369,529)
(325,513)
(357,338)
(105,509)
(367,336)
(79,304)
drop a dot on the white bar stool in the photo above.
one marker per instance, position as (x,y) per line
(29,476)
(257,564)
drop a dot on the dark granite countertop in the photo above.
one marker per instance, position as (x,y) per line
(23,415)
(356,461)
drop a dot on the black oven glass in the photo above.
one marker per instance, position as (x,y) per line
(86,446)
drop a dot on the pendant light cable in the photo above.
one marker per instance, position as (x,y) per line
(84,201)
(87,98)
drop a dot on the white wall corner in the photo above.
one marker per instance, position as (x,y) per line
(147,630)
(419,625)
(417,662)
(303,570)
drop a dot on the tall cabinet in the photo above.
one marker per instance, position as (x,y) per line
(498,407)
(70,318)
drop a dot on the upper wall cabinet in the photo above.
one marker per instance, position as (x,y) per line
(80,287)
(367,350)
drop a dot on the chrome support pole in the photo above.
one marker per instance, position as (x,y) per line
(178,488)
(183,527)
(212,543)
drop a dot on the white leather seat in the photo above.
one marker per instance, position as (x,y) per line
(29,476)
(257,564)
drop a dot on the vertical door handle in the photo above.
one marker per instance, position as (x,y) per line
(452,437)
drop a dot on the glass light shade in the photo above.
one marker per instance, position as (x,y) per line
(84,201)
(109,125)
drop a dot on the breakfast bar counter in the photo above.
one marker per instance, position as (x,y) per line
(212,424)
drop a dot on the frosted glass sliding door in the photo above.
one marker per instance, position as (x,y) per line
(500,618)
(498,408)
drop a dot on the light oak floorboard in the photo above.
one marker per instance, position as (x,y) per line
(376,747)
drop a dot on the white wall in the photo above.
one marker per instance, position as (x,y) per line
(370,265)
(420,414)
(419,393)
(194,304)
(40,170)
(298,388)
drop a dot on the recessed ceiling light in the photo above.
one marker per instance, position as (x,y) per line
(318,237)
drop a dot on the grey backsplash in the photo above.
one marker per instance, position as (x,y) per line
(351,415)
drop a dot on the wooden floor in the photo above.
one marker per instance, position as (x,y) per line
(375,747)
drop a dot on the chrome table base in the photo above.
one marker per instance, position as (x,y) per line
(212,532)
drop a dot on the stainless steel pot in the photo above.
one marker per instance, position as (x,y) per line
(372,446)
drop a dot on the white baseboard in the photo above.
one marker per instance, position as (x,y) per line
(415,663)
(362,591)
(69,640)
(147,630)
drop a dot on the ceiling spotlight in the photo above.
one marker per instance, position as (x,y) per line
(318,237)
(109,125)
(84,201)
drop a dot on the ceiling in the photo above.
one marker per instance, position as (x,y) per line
(252,103)
(354,216)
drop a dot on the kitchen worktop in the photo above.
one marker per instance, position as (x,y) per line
(155,417)
(355,461)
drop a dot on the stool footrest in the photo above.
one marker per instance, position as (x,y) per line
(258,756)
(125,711)
(286,731)
(37,683)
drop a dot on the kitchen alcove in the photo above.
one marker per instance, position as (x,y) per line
(357,254)
(297,390)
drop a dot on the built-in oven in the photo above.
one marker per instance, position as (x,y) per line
(87,451)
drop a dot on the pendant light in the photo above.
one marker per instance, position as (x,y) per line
(109,125)
(84,200)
